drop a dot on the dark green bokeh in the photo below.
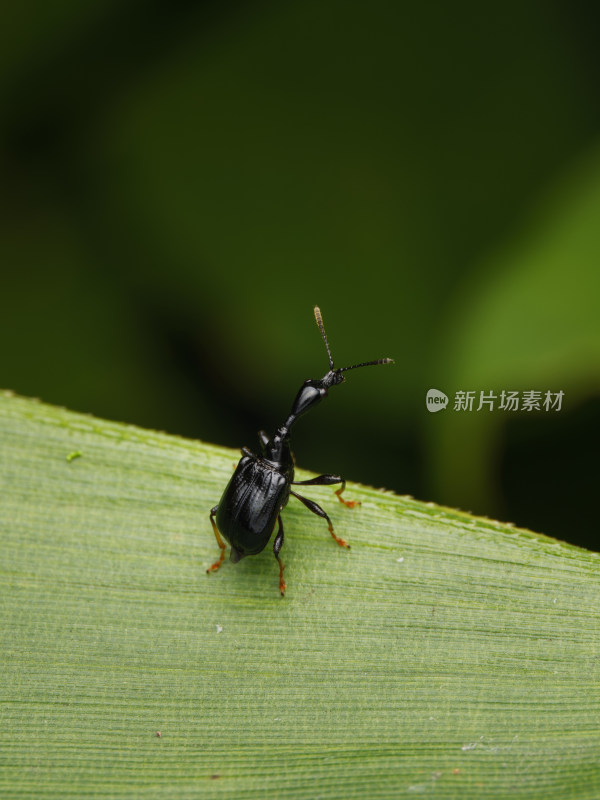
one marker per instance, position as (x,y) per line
(182,182)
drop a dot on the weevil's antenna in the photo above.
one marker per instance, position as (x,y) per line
(319,320)
(367,364)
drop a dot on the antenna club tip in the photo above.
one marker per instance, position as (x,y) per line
(319,321)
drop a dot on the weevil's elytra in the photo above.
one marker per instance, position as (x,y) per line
(261,485)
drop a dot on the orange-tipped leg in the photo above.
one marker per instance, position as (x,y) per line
(349,503)
(330,480)
(282,583)
(341,542)
(316,509)
(220,542)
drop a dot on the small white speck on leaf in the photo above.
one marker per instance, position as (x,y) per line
(219,628)
(400,560)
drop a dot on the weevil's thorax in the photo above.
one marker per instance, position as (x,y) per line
(278,452)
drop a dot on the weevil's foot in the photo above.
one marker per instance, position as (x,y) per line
(348,503)
(341,542)
(214,567)
(282,584)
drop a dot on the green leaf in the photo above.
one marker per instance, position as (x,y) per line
(442,655)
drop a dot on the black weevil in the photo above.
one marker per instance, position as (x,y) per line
(261,485)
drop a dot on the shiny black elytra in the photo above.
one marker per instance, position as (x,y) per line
(261,485)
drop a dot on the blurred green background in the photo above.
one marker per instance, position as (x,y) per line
(183,181)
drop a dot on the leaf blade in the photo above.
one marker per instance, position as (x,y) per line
(469,668)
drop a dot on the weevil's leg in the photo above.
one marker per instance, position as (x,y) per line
(220,541)
(264,440)
(349,503)
(316,509)
(276,548)
(329,480)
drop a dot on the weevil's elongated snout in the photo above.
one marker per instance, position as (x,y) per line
(312,392)
(309,395)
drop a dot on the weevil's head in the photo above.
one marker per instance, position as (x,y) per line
(313,391)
